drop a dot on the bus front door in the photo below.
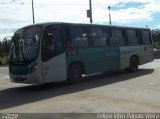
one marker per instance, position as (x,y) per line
(53,55)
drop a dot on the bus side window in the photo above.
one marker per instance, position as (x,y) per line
(146,37)
(117,38)
(99,36)
(124,33)
(68,41)
(70,44)
(78,36)
(139,35)
(132,37)
(51,43)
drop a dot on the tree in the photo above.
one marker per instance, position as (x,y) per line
(156,38)
(156,35)
(5,45)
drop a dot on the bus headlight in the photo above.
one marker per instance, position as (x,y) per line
(35,66)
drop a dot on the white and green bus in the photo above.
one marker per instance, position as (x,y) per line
(51,52)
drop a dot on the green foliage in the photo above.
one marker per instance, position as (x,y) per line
(5,45)
(4,50)
(3,58)
(156,45)
(156,35)
(156,38)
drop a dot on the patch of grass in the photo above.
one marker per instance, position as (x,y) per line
(156,45)
(4,60)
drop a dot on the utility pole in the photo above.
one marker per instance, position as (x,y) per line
(33,12)
(109,15)
(90,8)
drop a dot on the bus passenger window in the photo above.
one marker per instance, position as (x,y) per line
(70,44)
(132,37)
(117,38)
(146,37)
(49,42)
(99,36)
(79,36)
(52,43)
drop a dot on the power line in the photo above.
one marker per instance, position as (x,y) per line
(22,3)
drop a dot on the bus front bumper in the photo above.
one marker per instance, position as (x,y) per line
(27,79)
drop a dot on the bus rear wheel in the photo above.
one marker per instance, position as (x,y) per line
(133,64)
(75,74)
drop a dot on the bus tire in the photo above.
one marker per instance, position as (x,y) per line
(134,64)
(74,74)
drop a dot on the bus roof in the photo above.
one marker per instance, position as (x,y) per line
(84,24)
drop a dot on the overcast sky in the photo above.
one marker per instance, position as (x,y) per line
(137,13)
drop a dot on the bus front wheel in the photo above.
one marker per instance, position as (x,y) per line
(134,64)
(74,74)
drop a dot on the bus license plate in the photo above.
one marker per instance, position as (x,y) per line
(18,77)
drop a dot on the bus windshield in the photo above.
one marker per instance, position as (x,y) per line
(25,45)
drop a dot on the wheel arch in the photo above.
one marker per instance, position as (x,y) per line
(136,57)
(80,63)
